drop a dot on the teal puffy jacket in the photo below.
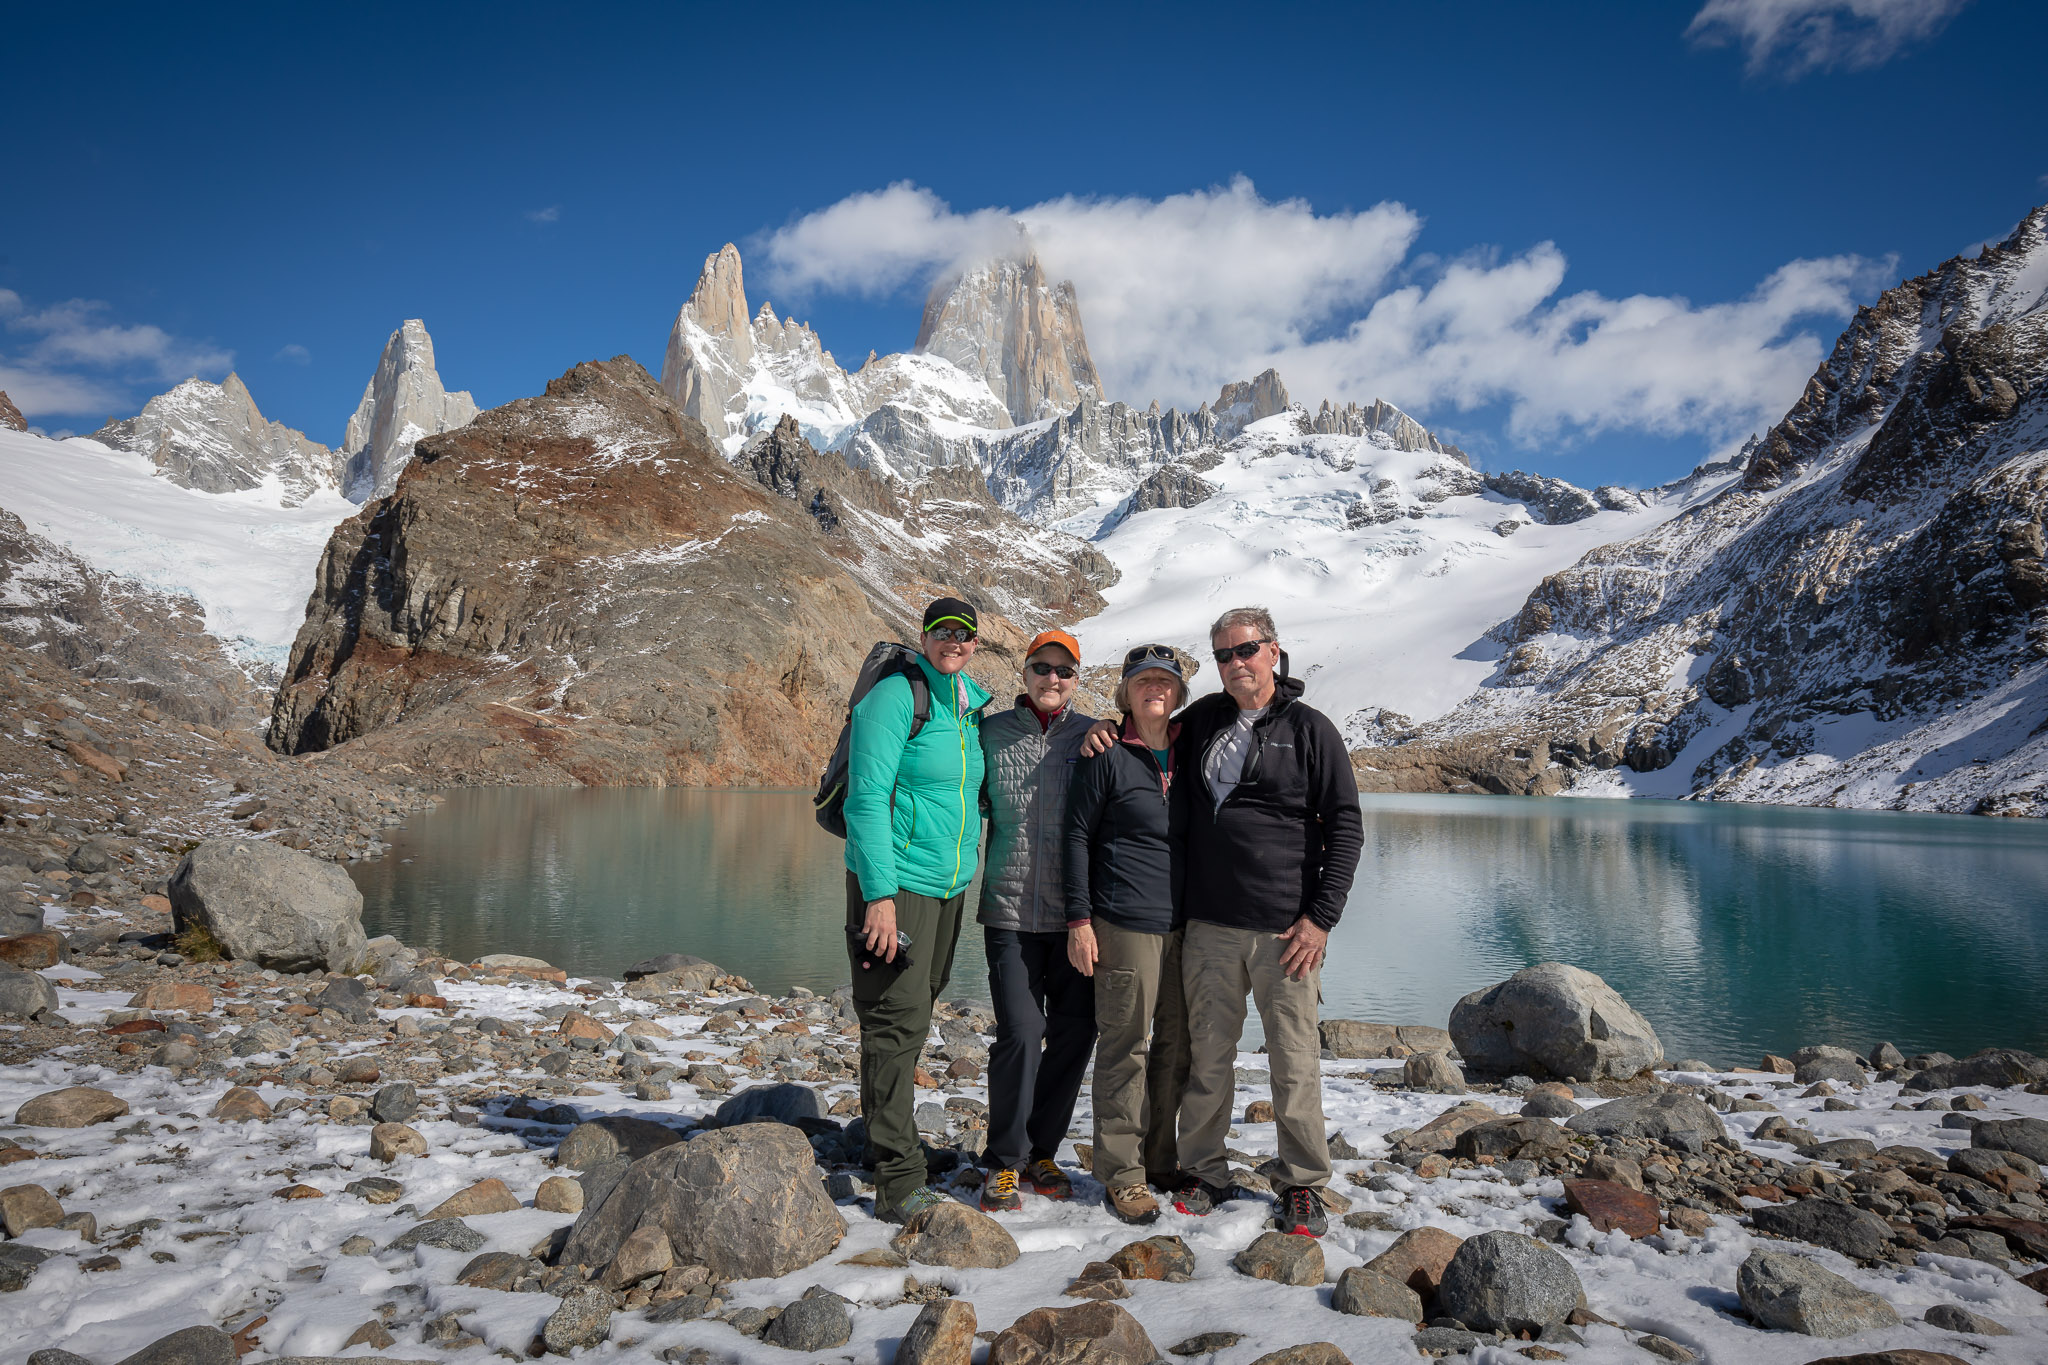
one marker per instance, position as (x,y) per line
(930,841)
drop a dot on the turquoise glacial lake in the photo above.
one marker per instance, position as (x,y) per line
(1735,929)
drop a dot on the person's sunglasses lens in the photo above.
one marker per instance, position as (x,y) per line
(1243,651)
(1045,670)
(952,635)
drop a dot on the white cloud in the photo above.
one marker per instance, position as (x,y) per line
(295,353)
(68,358)
(1183,294)
(551,214)
(1820,34)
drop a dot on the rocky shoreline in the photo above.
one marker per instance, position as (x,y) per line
(447,1160)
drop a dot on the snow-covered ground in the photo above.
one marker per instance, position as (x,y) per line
(245,557)
(1391,615)
(225,1250)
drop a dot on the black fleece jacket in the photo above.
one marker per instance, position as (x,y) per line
(1118,865)
(1287,840)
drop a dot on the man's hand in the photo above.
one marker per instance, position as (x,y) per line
(1305,944)
(1081,948)
(880,930)
(1100,736)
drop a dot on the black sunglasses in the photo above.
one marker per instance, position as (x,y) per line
(1144,652)
(1045,670)
(951,635)
(1243,651)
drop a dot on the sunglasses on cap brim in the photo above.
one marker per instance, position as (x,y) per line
(1144,652)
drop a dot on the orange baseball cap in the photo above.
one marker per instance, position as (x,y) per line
(1054,637)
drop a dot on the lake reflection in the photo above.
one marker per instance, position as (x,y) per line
(1735,929)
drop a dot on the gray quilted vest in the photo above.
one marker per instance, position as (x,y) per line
(1028,773)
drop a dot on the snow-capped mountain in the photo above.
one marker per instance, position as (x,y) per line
(403,402)
(245,557)
(1861,619)
(212,438)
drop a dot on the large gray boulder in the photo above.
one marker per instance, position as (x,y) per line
(271,905)
(1671,1117)
(744,1202)
(2026,1137)
(1553,1020)
(1505,1282)
(25,995)
(2003,1066)
(1831,1223)
(786,1102)
(1792,1294)
(611,1136)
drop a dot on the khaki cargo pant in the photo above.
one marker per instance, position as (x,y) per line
(895,1012)
(1138,1085)
(1219,966)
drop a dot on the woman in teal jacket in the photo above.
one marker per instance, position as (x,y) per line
(913,840)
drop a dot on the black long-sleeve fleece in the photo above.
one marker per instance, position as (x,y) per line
(1287,840)
(1118,864)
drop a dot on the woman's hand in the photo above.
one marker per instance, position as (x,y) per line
(1100,738)
(880,930)
(1081,948)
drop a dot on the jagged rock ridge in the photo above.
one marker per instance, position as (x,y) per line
(581,587)
(212,437)
(403,402)
(10,415)
(1862,620)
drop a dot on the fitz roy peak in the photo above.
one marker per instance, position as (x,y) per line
(1004,322)
(403,402)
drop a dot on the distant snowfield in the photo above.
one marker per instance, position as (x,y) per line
(1393,615)
(246,558)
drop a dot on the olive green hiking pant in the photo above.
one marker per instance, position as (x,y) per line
(894,1005)
(1141,1055)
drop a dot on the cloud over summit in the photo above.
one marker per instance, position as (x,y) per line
(1184,293)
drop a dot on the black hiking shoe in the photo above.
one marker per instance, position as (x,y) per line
(1300,1211)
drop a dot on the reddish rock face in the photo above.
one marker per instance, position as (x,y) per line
(10,415)
(581,588)
(33,951)
(1609,1205)
(1417,1258)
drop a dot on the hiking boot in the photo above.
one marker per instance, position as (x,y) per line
(916,1202)
(1045,1177)
(1133,1204)
(1196,1196)
(1300,1211)
(999,1192)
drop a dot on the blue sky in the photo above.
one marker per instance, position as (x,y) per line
(1577,239)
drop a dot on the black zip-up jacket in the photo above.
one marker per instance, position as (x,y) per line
(1287,840)
(1118,865)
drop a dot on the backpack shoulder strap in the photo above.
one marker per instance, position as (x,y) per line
(920,699)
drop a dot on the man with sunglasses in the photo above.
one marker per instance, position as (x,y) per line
(1265,833)
(913,841)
